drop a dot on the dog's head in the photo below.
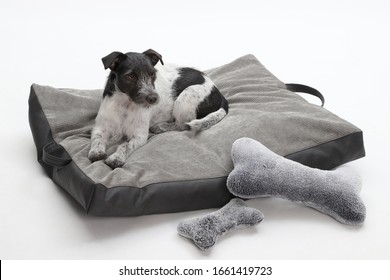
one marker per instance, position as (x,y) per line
(134,74)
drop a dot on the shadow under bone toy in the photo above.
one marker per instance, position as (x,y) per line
(260,172)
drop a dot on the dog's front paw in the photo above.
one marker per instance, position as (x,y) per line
(95,155)
(115,161)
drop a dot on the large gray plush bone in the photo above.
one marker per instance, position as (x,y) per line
(205,230)
(260,172)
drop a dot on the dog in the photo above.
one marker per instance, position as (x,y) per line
(141,96)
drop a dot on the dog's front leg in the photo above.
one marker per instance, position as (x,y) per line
(124,150)
(98,145)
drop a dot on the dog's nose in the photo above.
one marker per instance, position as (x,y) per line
(151,99)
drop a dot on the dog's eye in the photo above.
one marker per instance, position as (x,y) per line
(131,76)
(152,74)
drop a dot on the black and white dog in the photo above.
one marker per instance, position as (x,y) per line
(139,97)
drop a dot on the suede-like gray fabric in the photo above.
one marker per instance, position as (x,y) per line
(204,231)
(260,172)
(260,108)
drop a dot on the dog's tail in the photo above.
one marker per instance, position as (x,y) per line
(208,121)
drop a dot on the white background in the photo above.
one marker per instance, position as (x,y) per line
(341,48)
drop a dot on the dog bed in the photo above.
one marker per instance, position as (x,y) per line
(181,171)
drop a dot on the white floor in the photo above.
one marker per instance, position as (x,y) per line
(341,48)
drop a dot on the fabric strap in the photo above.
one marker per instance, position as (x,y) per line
(55,155)
(306,89)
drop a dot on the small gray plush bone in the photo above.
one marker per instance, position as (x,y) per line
(260,172)
(205,230)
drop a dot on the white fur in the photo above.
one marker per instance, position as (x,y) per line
(162,111)
(118,117)
(188,101)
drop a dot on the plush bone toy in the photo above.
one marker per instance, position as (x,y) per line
(204,231)
(260,172)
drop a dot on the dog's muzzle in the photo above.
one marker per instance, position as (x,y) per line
(152,98)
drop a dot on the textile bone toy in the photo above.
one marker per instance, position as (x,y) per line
(205,230)
(260,172)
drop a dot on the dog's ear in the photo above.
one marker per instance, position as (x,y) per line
(153,56)
(112,60)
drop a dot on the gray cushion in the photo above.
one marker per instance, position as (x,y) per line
(179,171)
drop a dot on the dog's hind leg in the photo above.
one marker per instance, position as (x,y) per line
(98,145)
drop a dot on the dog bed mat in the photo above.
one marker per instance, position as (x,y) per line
(182,171)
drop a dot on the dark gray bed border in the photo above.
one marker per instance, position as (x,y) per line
(158,198)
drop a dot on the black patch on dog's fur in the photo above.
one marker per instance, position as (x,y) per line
(110,85)
(188,77)
(212,103)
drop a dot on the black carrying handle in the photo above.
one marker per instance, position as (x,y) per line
(306,89)
(55,155)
